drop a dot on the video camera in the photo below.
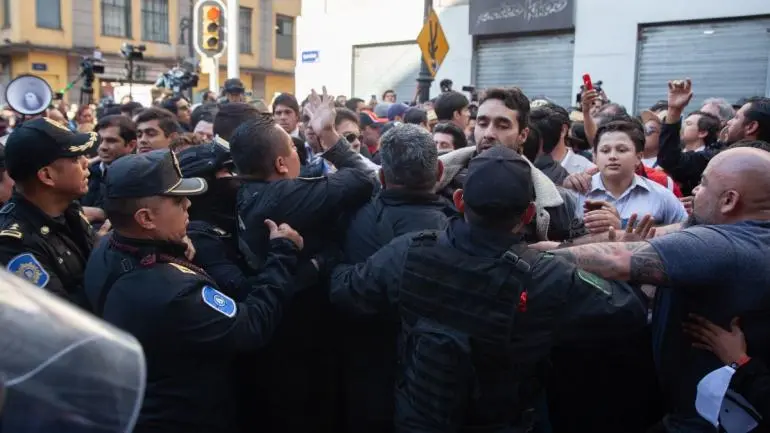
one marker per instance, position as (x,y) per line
(473,92)
(179,78)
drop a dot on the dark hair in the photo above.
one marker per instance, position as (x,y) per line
(708,123)
(514,99)
(633,128)
(352,103)
(660,105)
(120,211)
(386,92)
(80,111)
(287,100)
(458,135)
(231,115)
(344,114)
(205,112)
(612,109)
(255,145)
(409,157)
(618,117)
(756,144)
(130,108)
(578,141)
(531,146)
(170,104)
(548,124)
(448,103)
(416,116)
(299,144)
(166,119)
(759,111)
(126,128)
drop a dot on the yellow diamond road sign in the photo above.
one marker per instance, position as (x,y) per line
(433,43)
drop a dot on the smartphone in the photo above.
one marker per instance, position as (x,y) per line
(587,82)
(589,206)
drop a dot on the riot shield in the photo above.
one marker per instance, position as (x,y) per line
(62,369)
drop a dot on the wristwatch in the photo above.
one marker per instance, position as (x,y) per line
(740,362)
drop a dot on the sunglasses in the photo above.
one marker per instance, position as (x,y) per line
(649,131)
(353,137)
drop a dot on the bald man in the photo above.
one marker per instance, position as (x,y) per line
(718,266)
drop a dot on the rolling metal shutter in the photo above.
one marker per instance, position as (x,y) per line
(724,59)
(377,68)
(539,65)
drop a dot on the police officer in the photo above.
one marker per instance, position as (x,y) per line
(479,310)
(139,280)
(44,236)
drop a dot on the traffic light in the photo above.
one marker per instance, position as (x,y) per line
(210,19)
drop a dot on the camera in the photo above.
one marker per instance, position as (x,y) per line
(179,78)
(132,52)
(472,90)
(446,85)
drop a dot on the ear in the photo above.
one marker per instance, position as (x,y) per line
(564,131)
(381,176)
(702,134)
(280,166)
(47,176)
(145,219)
(729,201)
(523,134)
(457,198)
(529,214)
(751,127)
(173,135)
(131,145)
(439,170)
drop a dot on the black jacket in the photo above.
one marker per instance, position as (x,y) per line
(190,331)
(369,344)
(551,168)
(752,381)
(49,252)
(684,167)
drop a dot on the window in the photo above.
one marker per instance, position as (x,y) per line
(116,18)
(284,37)
(244,24)
(155,20)
(48,14)
(6,14)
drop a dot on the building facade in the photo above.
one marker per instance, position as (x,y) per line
(542,46)
(50,38)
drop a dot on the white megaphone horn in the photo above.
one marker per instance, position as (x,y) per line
(28,95)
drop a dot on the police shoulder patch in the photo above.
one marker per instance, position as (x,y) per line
(219,301)
(595,281)
(26,266)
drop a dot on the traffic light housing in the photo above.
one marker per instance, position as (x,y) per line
(210,28)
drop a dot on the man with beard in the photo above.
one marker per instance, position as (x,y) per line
(731,213)
(503,119)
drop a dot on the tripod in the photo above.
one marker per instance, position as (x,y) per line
(86,91)
(130,76)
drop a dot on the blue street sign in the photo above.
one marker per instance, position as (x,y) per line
(310,56)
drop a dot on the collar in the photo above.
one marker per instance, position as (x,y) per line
(544,161)
(35,216)
(400,196)
(479,241)
(597,184)
(146,247)
(295,133)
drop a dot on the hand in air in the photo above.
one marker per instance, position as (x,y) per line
(284,231)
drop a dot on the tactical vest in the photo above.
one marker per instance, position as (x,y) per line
(459,366)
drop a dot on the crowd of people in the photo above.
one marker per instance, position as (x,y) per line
(497,263)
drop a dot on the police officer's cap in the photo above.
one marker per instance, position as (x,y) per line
(39,142)
(205,160)
(150,174)
(499,182)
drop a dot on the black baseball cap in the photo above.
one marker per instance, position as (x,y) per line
(204,160)
(39,142)
(499,183)
(234,85)
(368,118)
(150,174)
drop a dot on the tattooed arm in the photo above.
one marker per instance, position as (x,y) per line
(637,262)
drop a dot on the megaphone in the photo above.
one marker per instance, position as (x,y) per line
(28,94)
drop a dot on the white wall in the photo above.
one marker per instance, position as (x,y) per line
(606,35)
(333,27)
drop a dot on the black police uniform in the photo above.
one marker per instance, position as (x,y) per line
(50,252)
(299,364)
(479,310)
(190,330)
(95,195)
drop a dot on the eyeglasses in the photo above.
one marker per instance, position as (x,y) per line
(351,137)
(650,131)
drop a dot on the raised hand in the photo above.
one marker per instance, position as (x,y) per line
(633,232)
(679,93)
(284,231)
(320,109)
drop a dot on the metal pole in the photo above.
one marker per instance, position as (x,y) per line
(214,77)
(233,48)
(425,79)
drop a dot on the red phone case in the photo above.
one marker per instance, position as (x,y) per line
(587,82)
